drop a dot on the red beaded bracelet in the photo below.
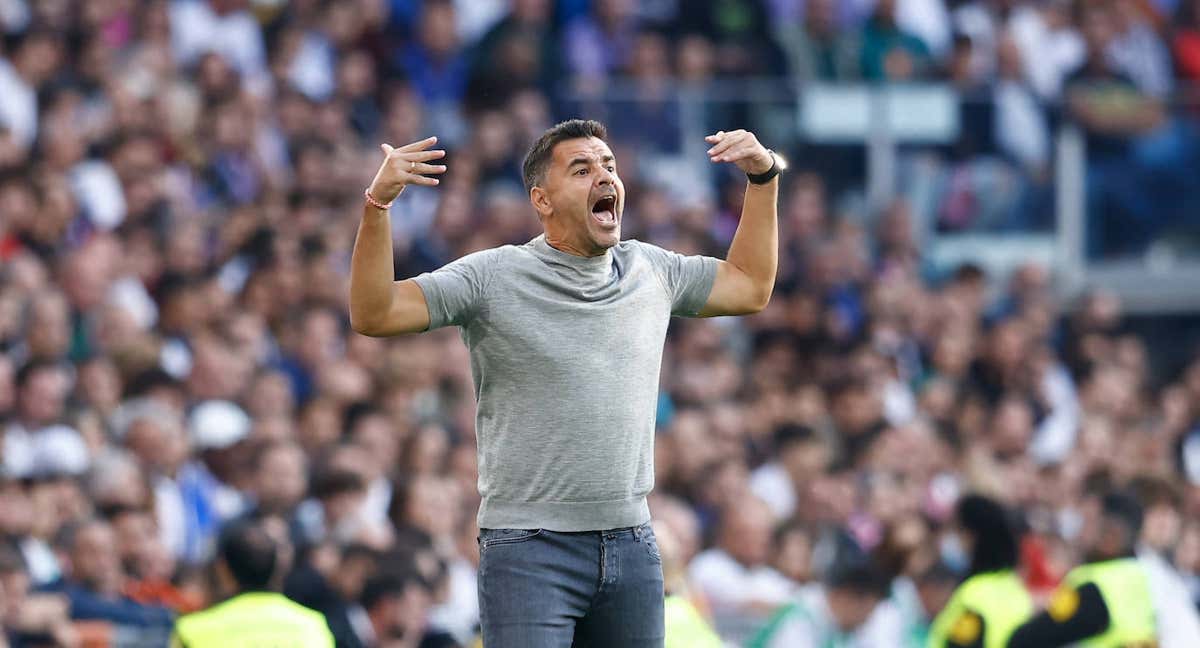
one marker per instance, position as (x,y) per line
(376,203)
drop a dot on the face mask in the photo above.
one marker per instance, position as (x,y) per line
(953,553)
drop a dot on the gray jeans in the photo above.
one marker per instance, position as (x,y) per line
(547,589)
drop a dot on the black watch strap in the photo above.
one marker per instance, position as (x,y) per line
(769,174)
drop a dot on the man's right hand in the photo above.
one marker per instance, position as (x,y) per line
(404,166)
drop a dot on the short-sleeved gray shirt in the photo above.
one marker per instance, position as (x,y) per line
(565,354)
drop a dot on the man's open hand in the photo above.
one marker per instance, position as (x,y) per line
(742,148)
(404,166)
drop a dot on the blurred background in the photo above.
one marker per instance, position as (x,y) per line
(990,251)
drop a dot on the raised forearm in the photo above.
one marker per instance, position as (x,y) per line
(746,277)
(379,305)
(371,271)
(755,247)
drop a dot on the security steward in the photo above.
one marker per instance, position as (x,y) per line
(1107,602)
(247,564)
(992,602)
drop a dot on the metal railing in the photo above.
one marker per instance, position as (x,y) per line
(892,128)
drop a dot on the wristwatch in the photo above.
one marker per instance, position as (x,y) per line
(778,165)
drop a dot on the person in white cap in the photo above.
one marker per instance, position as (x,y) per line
(217,427)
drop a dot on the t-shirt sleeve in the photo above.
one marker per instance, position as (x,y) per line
(455,292)
(687,279)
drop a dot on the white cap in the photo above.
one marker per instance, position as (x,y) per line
(60,451)
(217,424)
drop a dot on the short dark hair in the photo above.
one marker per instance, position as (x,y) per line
(250,553)
(11,561)
(538,159)
(861,577)
(358,411)
(1124,507)
(331,481)
(29,369)
(993,530)
(148,380)
(790,435)
(388,583)
(938,572)
(69,533)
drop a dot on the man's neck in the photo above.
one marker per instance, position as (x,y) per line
(569,248)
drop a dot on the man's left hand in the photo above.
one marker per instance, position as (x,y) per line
(742,148)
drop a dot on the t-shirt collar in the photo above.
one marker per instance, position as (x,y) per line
(551,254)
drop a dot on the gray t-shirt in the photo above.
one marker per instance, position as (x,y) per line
(565,354)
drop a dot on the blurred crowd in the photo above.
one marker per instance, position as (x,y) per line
(180,184)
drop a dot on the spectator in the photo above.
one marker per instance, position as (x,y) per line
(338,495)
(42,389)
(800,455)
(222,26)
(856,417)
(932,591)
(817,49)
(1139,50)
(28,616)
(279,484)
(993,598)
(217,430)
(185,493)
(685,624)
(518,51)
(889,53)
(851,607)
(1050,45)
(397,605)
(1114,112)
(36,59)
(331,580)
(94,582)
(745,44)
(148,565)
(249,568)
(1021,129)
(734,577)
(600,43)
(437,66)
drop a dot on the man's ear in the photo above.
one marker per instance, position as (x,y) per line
(541,202)
(226,583)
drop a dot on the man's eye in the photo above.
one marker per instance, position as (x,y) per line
(611,169)
(581,172)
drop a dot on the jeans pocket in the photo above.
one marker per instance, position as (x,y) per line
(651,543)
(495,537)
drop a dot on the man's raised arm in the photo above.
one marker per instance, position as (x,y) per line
(746,278)
(380,306)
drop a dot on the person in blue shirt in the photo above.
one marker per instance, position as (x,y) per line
(94,581)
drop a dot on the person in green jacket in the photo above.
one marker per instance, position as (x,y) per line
(993,600)
(1107,602)
(685,624)
(247,563)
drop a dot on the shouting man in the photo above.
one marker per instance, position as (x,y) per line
(566,337)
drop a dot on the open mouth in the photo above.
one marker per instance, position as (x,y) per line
(605,210)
